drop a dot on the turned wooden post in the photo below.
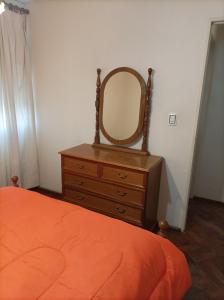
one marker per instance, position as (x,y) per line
(14,180)
(163,228)
(97,104)
(147,112)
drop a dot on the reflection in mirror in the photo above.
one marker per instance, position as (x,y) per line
(122,100)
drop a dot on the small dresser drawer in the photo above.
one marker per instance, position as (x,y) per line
(131,214)
(80,166)
(125,176)
(122,194)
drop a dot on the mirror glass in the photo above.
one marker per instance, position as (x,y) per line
(121,107)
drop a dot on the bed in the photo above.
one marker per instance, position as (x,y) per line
(53,250)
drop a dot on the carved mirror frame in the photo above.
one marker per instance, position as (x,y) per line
(144,112)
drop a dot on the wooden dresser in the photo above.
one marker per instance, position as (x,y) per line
(118,184)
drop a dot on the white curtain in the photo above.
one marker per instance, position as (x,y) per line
(18,149)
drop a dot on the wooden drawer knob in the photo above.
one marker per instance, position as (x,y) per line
(121,210)
(80,183)
(122,176)
(80,167)
(122,194)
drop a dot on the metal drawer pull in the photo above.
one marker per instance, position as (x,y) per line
(81,167)
(122,176)
(121,210)
(122,194)
(79,197)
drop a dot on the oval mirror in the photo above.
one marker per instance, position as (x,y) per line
(122,104)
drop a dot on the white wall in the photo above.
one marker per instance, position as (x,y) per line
(72,38)
(209,165)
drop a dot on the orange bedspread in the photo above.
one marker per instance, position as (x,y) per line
(52,250)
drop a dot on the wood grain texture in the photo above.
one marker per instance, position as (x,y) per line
(120,193)
(97,105)
(132,161)
(124,176)
(135,136)
(80,166)
(96,203)
(147,112)
(153,186)
(121,149)
(125,180)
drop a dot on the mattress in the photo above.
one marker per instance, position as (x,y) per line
(51,250)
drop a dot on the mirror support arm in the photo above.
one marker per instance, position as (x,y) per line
(147,112)
(97,105)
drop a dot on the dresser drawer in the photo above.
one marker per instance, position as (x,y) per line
(131,214)
(80,166)
(119,193)
(124,176)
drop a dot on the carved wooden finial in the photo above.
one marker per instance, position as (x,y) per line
(163,228)
(97,104)
(14,180)
(147,112)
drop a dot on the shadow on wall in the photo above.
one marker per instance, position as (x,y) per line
(165,198)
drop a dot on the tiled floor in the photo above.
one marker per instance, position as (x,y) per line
(203,245)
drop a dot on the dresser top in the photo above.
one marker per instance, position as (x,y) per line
(108,156)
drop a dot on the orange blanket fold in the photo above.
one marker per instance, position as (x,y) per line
(51,250)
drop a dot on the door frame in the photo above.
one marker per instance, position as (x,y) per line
(199,112)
